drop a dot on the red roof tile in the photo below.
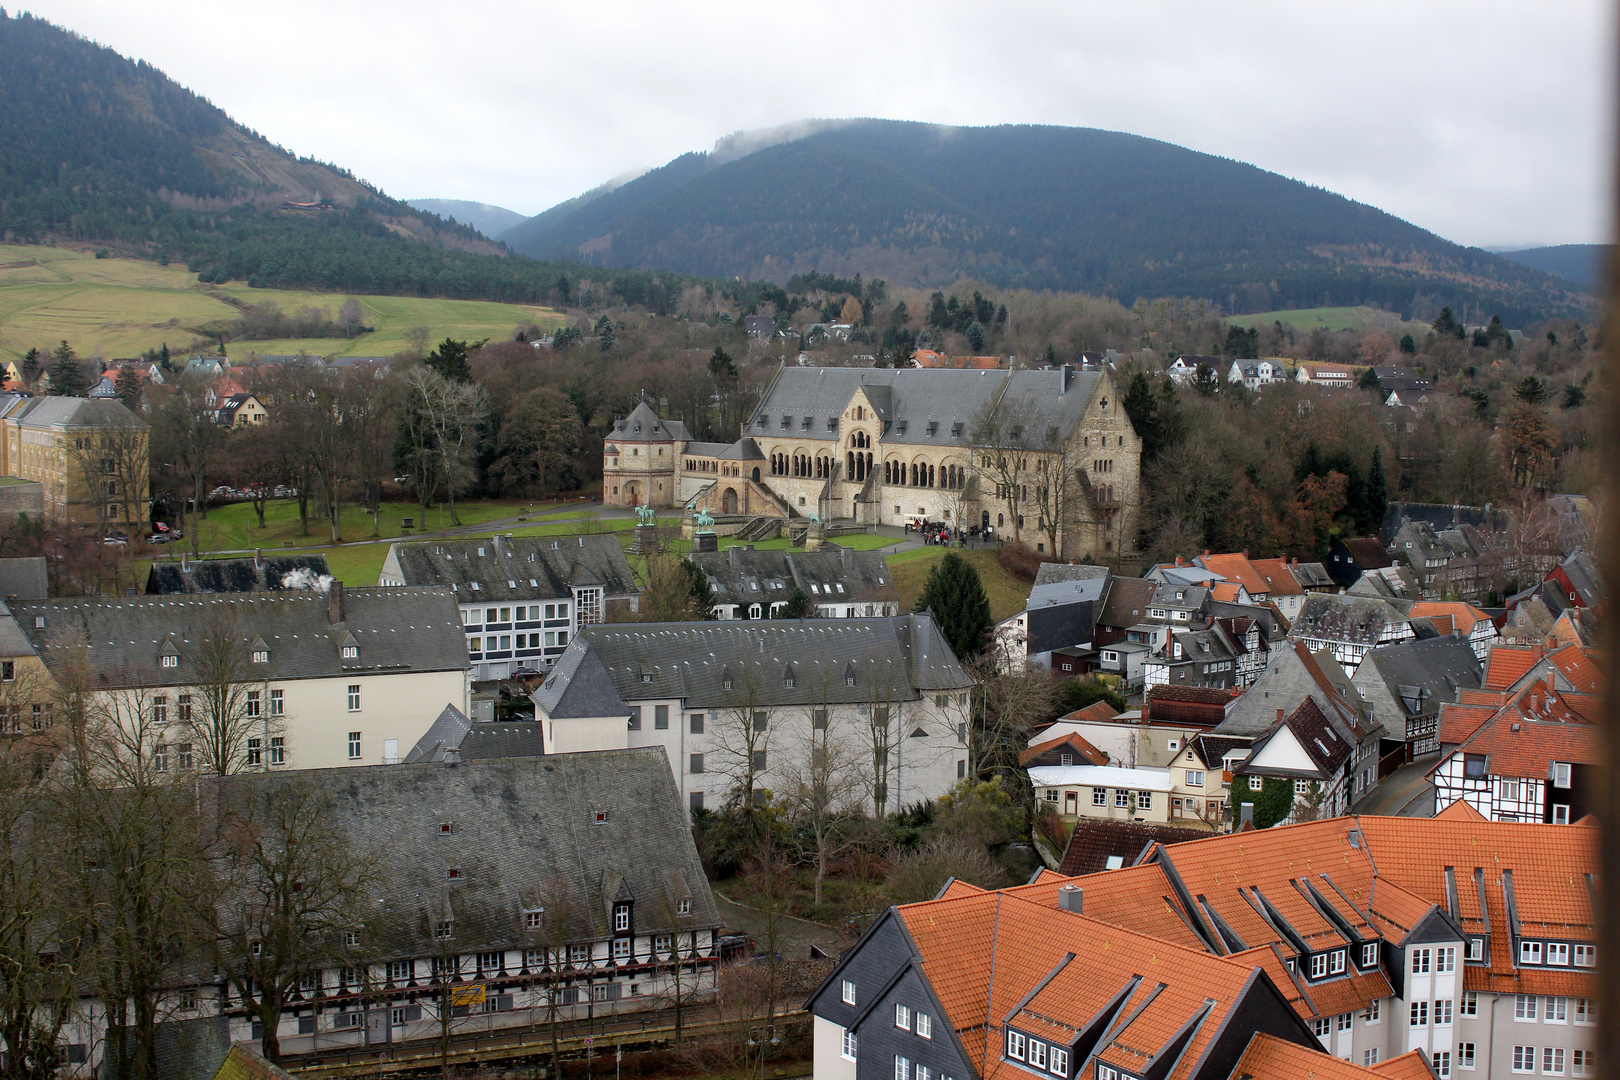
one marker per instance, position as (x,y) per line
(1507,664)
(1236,566)
(1270,1058)
(1280,580)
(1080,747)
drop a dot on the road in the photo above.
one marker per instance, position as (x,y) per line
(1406,792)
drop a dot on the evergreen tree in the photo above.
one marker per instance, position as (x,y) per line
(955,596)
(606,334)
(1205,381)
(900,316)
(975,336)
(702,595)
(797,606)
(450,360)
(1408,346)
(1142,407)
(1368,380)
(1377,498)
(128,387)
(1001,318)
(1051,356)
(30,366)
(1446,324)
(1574,396)
(1532,391)
(938,314)
(67,372)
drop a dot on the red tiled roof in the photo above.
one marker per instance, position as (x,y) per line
(1235,566)
(1519,746)
(1458,722)
(1507,664)
(1575,664)
(1270,1058)
(1280,580)
(1494,698)
(1079,745)
(1464,616)
(1095,839)
(1225,591)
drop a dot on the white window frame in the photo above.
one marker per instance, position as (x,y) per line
(1015,1046)
(902,1017)
(1372,1013)
(354,697)
(1058,1061)
(925,1026)
(847,992)
(1319,965)
(1465,1055)
(851,1045)
(1336,961)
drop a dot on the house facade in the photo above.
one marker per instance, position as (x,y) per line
(1017,451)
(521,599)
(314,680)
(743,709)
(839,582)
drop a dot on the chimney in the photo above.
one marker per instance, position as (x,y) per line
(732,557)
(185,563)
(258,558)
(847,557)
(1279,716)
(1246,815)
(1206,553)
(1295,563)
(1065,373)
(1245,553)
(334,603)
(452,756)
(1072,898)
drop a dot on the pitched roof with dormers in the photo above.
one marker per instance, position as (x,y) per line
(1235,566)
(645,426)
(397,630)
(1270,1058)
(1073,744)
(506,568)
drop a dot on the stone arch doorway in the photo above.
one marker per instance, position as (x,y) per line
(632,494)
(984,519)
(728,501)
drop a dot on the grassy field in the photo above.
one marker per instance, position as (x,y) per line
(1007,593)
(1334,318)
(235,527)
(121,307)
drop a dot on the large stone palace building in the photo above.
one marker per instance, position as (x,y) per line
(1047,456)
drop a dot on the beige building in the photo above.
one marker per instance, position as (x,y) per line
(1045,456)
(315,679)
(90,456)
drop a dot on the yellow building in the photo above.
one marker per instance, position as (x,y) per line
(1047,456)
(89,454)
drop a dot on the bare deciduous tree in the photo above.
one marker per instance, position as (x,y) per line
(228,720)
(291,893)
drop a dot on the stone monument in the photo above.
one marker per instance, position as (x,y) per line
(703,535)
(646,541)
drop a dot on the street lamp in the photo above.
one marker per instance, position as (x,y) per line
(757,1037)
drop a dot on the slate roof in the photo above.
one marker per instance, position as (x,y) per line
(645,426)
(397,630)
(513,568)
(1291,675)
(1419,676)
(907,399)
(24,578)
(1441,516)
(898,659)
(524,834)
(839,574)
(1358,620)
(74,412)
(452,731)
(1049,572)
(268,574)
(1368,552)
(1127,602)
(1315,734)
(1095,840)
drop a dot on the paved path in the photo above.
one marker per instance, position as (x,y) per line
(1406,792)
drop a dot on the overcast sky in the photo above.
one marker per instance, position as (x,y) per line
(1485,121)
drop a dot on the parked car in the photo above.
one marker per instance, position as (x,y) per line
(732,946)
(163,538)
(115,539)
(525,673)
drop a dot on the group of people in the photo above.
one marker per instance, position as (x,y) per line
(937,534)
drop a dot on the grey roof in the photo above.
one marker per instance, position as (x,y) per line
(706,449)
(1049,572)
(72,412)
(524,834)
(1287,680)
(891,659)
(24,578)
(1273,627)
(908,399)
(1061,626)
(13,642)
(1583,574)
(1441,516)
(743,450)
(1312,575)
(1360,620)
(1066,592)
(452,731)
(270,574)
(396,630)
(1416,677)
(739,576)
(644,426)
(513,568)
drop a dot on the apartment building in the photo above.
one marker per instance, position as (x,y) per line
(522,599)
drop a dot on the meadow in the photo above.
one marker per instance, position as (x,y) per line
(119,307)
(1335,318)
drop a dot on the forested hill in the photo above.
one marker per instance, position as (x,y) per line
(98,148)
(1584,264)
(1042,207)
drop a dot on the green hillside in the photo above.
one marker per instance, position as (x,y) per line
(121,307)
(99,149)
(1068,209)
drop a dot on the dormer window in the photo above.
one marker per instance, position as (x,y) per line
(170,660)
(453,874)
(446,828)
(351,652)
(261,656)
(600,817)
(789,678)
